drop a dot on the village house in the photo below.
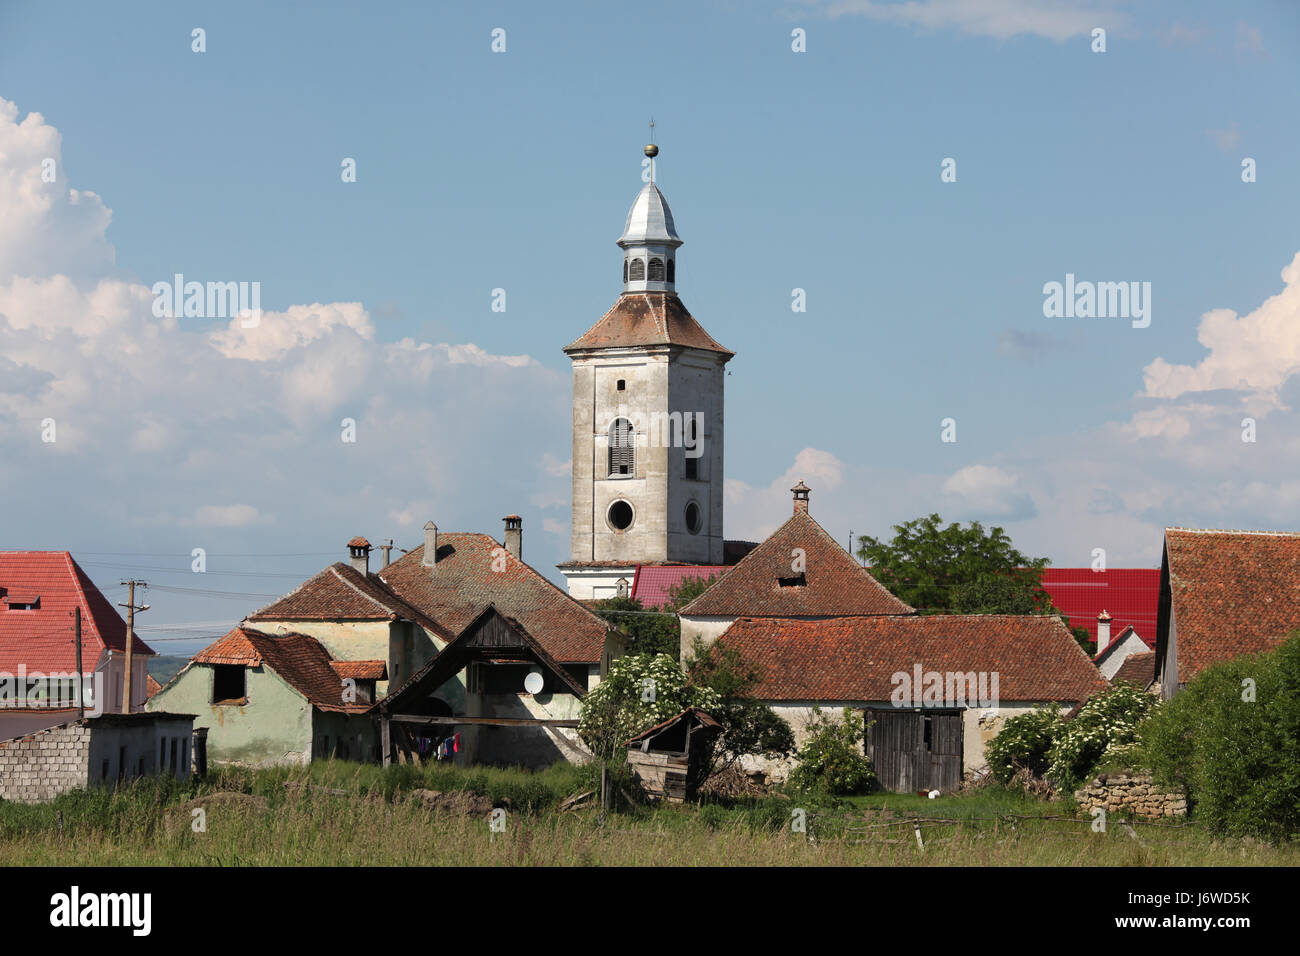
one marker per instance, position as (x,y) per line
(1112,654)
(39,594)
(1140,671)
(94,751)
(1223,594)
(268,699)
(936,688)
(799,573)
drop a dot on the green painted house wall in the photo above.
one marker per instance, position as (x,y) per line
(404,645)
(273,727)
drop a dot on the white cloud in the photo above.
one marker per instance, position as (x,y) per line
(226,516)
(1051,19)
(977,492)
(1254,354)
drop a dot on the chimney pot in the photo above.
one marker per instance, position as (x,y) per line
(430,545)
(359,554)
(387,549)
(801,497)
(514,535)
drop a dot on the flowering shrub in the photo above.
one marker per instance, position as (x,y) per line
(639,691)
(1105,728)
(830,759)
(1023,741)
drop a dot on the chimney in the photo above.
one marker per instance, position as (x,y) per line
(801,497)
(359,554)
(430,544)
(388,552)
(514,535)
(1103,631)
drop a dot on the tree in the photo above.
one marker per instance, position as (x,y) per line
(831,758)
(647,632)
(638,692)
(933,567)
(749,727)
(687,591)
(956,570)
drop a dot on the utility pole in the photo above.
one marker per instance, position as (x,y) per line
(81,681)
(130,638)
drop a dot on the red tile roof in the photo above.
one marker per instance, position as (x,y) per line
(41,638)
(647,318)
(835,583)
(302,661)
(854,658)
(462,584)
(1129,594)
(342,593)
(1138,669)
(151,685)
(653,584)
(361,670)
(1231,593)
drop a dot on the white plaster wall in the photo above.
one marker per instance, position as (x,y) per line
(709,629)
(1130,645)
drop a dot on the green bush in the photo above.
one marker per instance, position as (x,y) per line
(1231,741)
(831,760)
(638,692)
(1105,729)
(1023,741)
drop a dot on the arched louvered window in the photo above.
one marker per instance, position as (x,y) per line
(622,448)
(672,270)
(637,271)
(656,270)
(624,270)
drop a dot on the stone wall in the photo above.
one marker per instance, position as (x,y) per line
(43,765)
(1132,793)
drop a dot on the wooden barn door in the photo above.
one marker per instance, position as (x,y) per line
(913,750)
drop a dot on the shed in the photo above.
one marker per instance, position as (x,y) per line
(672,758)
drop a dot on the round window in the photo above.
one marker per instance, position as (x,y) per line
(620,516)
(693,518)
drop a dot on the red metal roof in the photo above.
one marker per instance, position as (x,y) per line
(653,583)
(1128,594)
(41,639)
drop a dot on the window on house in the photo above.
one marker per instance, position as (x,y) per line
(622,384)
(798,581)
(636,272)
(162,753)
(671,271)
(656,270)
(172,765)
(228,684)
(622,448)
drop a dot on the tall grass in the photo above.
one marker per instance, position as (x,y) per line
(341,814)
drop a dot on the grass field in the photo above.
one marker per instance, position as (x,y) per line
(342,814)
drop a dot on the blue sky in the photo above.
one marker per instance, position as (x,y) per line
(479,170)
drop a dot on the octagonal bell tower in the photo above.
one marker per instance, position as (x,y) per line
(647,419)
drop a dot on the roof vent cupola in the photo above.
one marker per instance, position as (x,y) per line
(801,497)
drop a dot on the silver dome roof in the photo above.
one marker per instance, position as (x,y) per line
(649,220)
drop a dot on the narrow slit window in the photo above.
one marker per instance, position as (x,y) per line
(622,448)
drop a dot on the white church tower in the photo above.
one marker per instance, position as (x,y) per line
(647,420)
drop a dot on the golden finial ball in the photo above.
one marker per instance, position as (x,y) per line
(652,150)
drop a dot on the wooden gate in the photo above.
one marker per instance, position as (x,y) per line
(913,750)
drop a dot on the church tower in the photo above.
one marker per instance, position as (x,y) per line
(647,420)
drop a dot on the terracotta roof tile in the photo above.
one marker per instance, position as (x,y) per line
(302,661)
(835,582)
(653,584)
(341,592)
(1139,669)
(461,585)
(1232,593)
(854,658)
(361,670)
(647,318)
(41,638)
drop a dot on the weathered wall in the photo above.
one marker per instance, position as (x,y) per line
(274,727)
(532,747)
(345,737)
(1130,793)
(1122,650)
(405,645)
(43,765)
(709,629)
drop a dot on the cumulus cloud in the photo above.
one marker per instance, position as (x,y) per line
(987,491)
(1254,354)
(226,516)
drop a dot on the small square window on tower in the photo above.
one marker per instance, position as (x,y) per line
(622,385)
